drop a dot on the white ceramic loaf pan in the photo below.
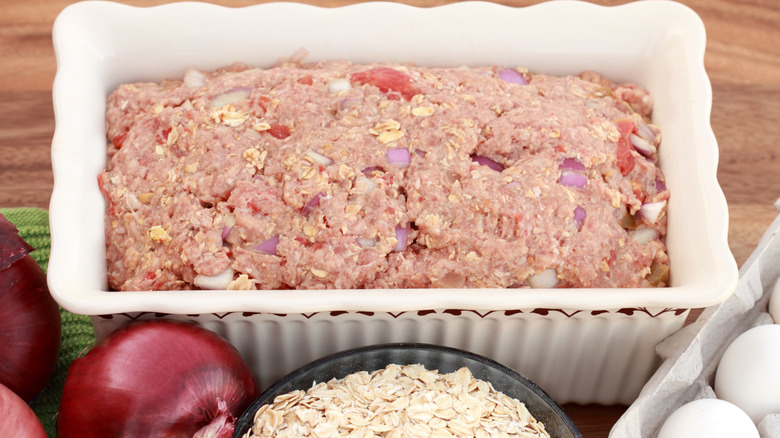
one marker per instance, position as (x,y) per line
(580,345)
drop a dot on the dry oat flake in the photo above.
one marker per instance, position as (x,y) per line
(397,401)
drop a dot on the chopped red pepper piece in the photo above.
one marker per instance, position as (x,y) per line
(162,137)
(279,131)
(625,159)
(388,80)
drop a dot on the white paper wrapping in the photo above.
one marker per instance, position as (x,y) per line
(691,356)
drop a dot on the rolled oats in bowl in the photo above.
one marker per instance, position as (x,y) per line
(405,390)
(397,401)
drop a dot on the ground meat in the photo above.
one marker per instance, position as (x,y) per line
(334,175)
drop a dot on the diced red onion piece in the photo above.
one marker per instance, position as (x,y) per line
(485,161)
(660,186)
(546,279)
(318,157)
(215,282)
(644,235)
(572,164)
(402,235)
(299,55)
(641,145)
(229,220)
(420,152)
(311,205)
(269,246)
(349,102)
(366,243)
(398,157)
(573,179)
(364,184)
(229,97)
(652,211)
(579,215)
(646,132)
(371,169)
(339,84)
(512,76)
(194,78)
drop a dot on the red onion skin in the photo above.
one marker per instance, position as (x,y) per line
(312,204)
(398,157)
(579,215)
(485,161)
(30,329)
(155,378)
(16,418)
(269,246)
(571,179)
(512,76)
(573,165)
(12,246)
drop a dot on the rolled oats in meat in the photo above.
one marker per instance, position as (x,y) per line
(337,175)
(394,402)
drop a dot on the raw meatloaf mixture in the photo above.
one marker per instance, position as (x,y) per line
(336,175)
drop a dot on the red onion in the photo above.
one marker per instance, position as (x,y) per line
(194,78)
(311,205)
(229,97)
(485,161)
(402,235)
(30,324)
(398,157)
(369,170)
(318,157)
(644,235)
(156,378)
(660,185)
(230,221)
(641,145)
(651,211)
(572,164)
(546,279)
(16,418)
(512,76)
(579,215)
(572,173)
(219,281)
(269,246)
(573,179)
(349,102)
(299,55)
(646,132)
(338,85)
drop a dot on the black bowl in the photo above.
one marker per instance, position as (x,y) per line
(433,357)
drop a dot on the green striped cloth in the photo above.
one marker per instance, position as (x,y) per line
(77,332)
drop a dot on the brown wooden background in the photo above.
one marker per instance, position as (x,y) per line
(742,59)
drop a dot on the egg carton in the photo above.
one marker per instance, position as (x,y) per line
(691,355)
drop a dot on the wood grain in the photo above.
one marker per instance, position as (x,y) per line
(742,60)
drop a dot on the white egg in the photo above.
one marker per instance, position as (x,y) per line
(708,418)
(748,374)
(774,303)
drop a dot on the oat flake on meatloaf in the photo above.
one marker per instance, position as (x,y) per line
(334,175)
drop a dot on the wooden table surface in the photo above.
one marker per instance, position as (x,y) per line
(742,59)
